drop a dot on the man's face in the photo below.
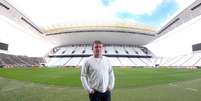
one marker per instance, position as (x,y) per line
(97,49)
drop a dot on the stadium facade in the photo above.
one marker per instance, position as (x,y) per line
(124,42)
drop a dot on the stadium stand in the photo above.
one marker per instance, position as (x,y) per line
(190,60)
(8,60)
(119,55)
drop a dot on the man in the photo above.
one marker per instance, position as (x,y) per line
(97,75)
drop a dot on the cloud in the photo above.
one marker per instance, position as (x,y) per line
(156,18)
(49,12)
(135,6)
(107,2)
(184,3)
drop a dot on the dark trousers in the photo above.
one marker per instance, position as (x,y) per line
(98,96)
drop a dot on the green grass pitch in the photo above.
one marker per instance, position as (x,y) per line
(132,84)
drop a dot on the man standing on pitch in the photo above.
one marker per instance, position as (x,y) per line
(97,75)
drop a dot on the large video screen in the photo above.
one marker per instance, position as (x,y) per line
(3,46)
(196,47)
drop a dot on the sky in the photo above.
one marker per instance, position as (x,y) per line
(153,16)
(149,12)
(155,13)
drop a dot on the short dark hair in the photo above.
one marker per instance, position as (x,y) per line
(96,42)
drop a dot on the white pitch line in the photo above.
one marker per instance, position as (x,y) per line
(191,89)
(172,85)
(10,89)
(46,87)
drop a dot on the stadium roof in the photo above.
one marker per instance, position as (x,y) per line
(77,21)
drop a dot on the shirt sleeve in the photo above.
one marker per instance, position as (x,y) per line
(83,77)
(111,78)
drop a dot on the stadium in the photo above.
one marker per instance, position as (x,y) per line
(41,54)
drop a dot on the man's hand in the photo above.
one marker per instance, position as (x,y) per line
(109,89)
(91,91)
